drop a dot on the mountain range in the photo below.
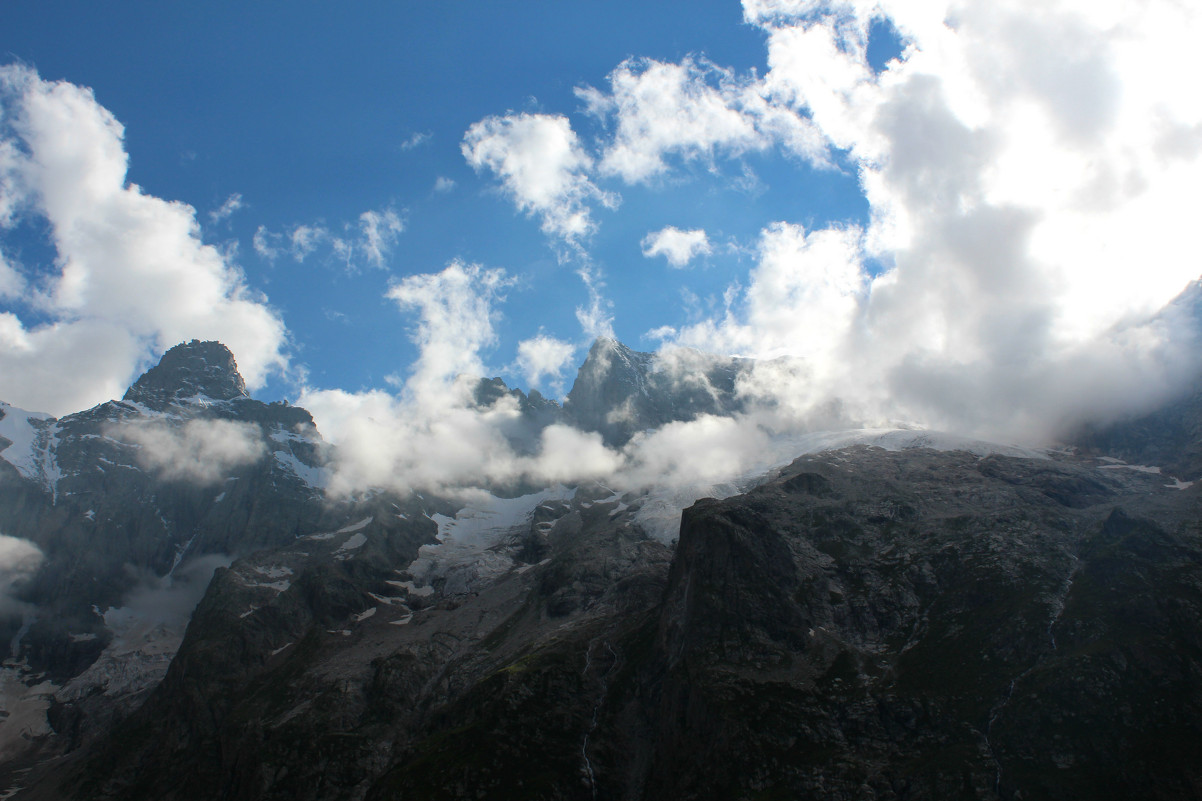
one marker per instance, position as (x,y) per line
(893,614)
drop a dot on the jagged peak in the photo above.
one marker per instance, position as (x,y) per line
(189,369)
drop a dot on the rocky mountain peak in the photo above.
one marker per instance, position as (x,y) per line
(189,369)
(619,392)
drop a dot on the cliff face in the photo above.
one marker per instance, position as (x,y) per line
(864,623)
(934,625)
(620,392)
(912,624)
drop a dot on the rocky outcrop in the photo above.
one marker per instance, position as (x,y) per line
(934,625)
(190,369)
(915,624)
(620,392)
(129,532)
(353,681)
(864,623)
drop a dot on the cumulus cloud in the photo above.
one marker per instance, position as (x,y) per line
(1027,213)
(200,451)
(692,111)
(541,164)
(677,246)
(444,185)
(131,277)
(544,355)
(432,435)
(1029,175)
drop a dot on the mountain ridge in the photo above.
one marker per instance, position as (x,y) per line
(551,626)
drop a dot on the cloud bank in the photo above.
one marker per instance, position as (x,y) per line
(200,451)
(432,435)
(131,275)
(1029,173)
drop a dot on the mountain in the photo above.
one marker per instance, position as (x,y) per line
(620,392)
(129,522)
(888,616)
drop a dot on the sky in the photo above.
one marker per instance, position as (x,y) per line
(966,216)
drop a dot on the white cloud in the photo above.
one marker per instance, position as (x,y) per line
(541,164)
(304,240)
(677,246)
(416,140)
(444,185)
(596,318)
(232,204)
(693,110)
(200,451)
(430,435)
(1028,172)
(12,282)
(455,321)
(19,560)
(366,242)
(378,232)
(132,276)
(266,243)
(544,355)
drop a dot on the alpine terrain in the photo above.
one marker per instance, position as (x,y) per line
(883,614)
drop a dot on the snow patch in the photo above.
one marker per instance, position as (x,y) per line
(353,543)
(1141,468)
(389,600)
(317,478)
(27,449)
(412,588)
(362,524)
(274,571)
(465,556)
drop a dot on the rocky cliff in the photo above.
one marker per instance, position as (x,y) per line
(910,623)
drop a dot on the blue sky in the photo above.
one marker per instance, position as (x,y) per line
(316,114)
(963,215)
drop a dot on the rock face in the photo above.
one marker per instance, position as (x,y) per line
(865,623)
(128,536)
(1169,437)
(187,370)
(620,392)
(934,625)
